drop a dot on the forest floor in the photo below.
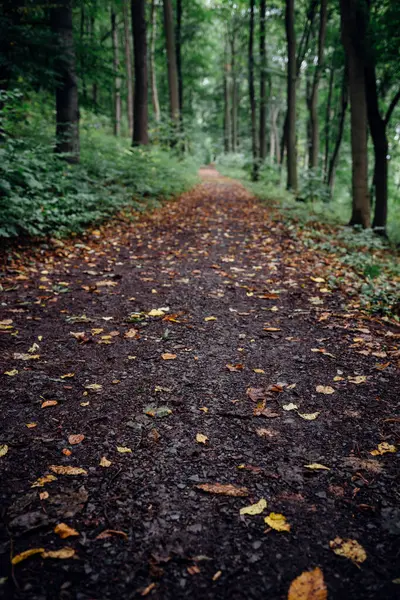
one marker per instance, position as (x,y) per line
(159,376)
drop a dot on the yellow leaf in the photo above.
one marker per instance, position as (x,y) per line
(272,328)
(349,548)
(26,554)
(317,466)
(225,489)
(168,356)
(210,319)
(64,531)
(31,425)
(259,371)
(44,495)
(95,387)
(48,403)
(3,450)
(19,356)
(68,470)
(104,462)
(62,553)
(338,378)
(43,480)
(97,331)
(67,376)
(11,373)
(254,509)
(310,585)
(204,409)
(290,406)
(309,416)
(358,379)
(216,575)
(201,439)
(123,450)
(131,334)
(277,521)
(324,389)
(383,448)
(156,312)
(76,439)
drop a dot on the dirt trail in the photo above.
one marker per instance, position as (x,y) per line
(243,327)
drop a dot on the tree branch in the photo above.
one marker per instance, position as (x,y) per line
(392,106)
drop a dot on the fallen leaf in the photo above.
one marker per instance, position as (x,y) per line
(267,412)
(204,409)
(358,379)
(234,368)
(265,433)
(48,403)
(26,554)
(318,279)
(276,388)
(67,376)
(44,495)
(260,371)
(193,570)
(290,406)
(317,466)
(254,509)
(104,462)
(65,531)
(310,585)
(96,331)
(160,411)
(94,387)
(322,351)
(210,319)
(338,378)
(68,470)
(43,480)
(106,283)
(31,425)
(324,389)
(168,356)
(226,489)
(124,450)
(66,452)
(309,416)
(156,312)
(148,589)
(383,448)
(154,435)
(3,450)
(348,548)
(11,373)
(110,533)
(6,324)
(19,356)
(256,394)
(277,521)
(62,554)
(216,575)
(34,348)
(250,468)
(131,334)
(201,439)
(76,439)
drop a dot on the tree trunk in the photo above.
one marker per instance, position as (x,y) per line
(140,126)
(253,107)
(67,108)
(172,67)
(82,55)
(234,93)
(342,118)
(263,74)
(313,105)
(128,65)
(291,98)
(328,116)
(179,52)
(154,88)
(353,34)
(227,109)
(117,78)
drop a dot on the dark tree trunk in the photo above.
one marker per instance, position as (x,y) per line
(344,100)
(117,78)
(67,108)
(140,126)
(82,54)
(291,98)
(128,65)
(179,52)
(234,93)
(252,94)
(353,35)
(154,88)
(227,109)
(313,104)
(171,58)
(263,82)
(328,116)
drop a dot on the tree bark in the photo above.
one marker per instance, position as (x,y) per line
(344,100)
(353,34)
(172,67)
(179,13)
(328,116)
(234,94)
(67,108)
(313,104)
(227,108)
(140,126)
(263,81)
(128,65)
(252,94)
(154,88)
(117,78)
(291,98)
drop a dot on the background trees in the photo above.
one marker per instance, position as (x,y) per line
(256,84)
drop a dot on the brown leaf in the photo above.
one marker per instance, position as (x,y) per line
(68,470)
(349,548)
(235,368)
(26,554)
(168,356)
(64,531)
(48,403)
(250,468)
(76,439)
(256,394)
(310,585)
(226,489)
(63,553)
(110,533)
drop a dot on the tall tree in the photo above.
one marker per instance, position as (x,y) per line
(291,98)
(179,15)
(227,100)
(128,65)
(67,108)
(353,23)
(172,66)
(263,81)
(117,76)
(313,100)
(153,75)
(234,92)
(252,94)
(139,26)
(341,118)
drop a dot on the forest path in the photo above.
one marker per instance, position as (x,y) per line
(211,317)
